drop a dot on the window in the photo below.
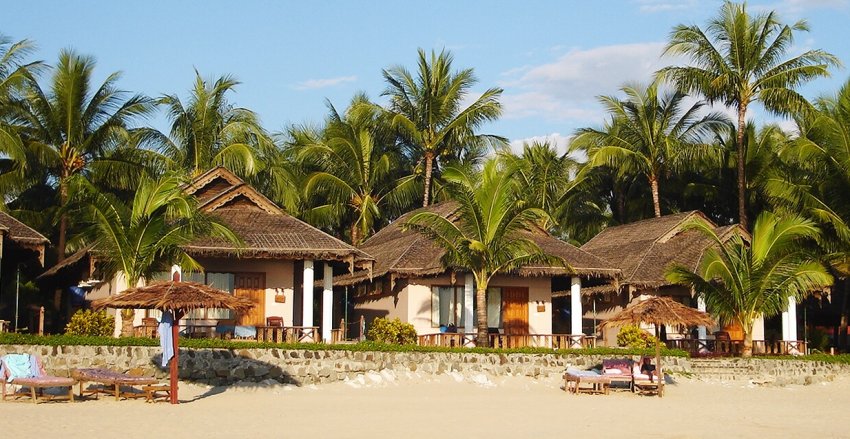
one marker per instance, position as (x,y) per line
(221,281)
(447,307)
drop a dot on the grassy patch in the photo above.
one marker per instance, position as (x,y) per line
(77,340)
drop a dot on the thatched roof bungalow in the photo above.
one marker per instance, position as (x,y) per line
(643,250)
(409,281)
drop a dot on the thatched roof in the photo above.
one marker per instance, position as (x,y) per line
(22,235)
(644,249)
(170,295)
(79,255)
(266,231)
(659,311)
(411,254)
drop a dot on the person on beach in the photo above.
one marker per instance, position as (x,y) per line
(647,368)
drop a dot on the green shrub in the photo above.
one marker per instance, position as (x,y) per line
(91,323)
(633,337)
(391,331)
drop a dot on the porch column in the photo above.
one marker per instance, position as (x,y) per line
(701,329)
(468,302)
(307,306)
(785,329)
(792,319)
(575,311)
(327,303)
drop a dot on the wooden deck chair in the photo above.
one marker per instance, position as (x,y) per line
(26,370)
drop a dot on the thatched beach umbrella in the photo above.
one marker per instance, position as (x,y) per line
(659,311)
(179,298)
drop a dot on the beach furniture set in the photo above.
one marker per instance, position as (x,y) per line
(27,371)
(613,371)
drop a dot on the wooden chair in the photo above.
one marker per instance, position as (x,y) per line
(274,321)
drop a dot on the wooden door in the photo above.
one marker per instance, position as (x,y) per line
(253,287)
(515,316)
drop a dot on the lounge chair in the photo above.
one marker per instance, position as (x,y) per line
(26,370)
(643,385)
(573,379)
(112,382)
(618,370)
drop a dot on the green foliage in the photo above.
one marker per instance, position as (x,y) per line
(391,331)
(366,346)
(633,337)
(90,323)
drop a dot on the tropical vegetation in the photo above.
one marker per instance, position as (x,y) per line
(81,162)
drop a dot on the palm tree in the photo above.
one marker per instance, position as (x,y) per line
(740,59)
(209,131)
(148,234)
(428,114)
(484,235)
(72,126)
(14,73)
(740,282)
(649,135)
(820,187)
(357,178)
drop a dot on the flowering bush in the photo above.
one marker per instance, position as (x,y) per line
(391,331)
(633,337)
(88,322)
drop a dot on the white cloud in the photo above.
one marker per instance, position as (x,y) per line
(651,6)
(313,84)
(560,141)
(566,89)
(795,8)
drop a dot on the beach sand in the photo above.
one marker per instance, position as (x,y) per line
(448,406)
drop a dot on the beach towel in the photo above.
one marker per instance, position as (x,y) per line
(19,366)
(245,331)
(166,342)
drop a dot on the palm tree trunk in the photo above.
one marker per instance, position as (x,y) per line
(742,157)
(656,204)
(747,348)
(483,340)
(63,219)
(429,168)
(620,201)
(355,234)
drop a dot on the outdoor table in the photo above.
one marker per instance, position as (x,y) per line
(110,378)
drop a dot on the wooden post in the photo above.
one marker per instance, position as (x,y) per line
(343,330)
(362,327)
(41,321)
(175,339)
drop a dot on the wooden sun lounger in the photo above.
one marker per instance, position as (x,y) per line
(38,384)
(113,379)
(598,383)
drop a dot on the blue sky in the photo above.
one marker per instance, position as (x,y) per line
(551,57)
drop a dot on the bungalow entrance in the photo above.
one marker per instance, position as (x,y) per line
(251,286)
(515,315)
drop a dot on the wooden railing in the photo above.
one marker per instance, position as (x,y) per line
(729,348)
(271,334)
(550,341)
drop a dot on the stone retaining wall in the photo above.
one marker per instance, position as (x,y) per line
(301,367)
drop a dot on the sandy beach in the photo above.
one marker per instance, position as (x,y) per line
(385,405)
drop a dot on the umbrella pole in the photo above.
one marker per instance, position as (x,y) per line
(175,338)
(658,371)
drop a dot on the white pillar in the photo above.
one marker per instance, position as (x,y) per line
(575,302)
(176,269)
(792,319)
(327,303)
(468,303)
(785,329)
(701,329)
(307,306)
